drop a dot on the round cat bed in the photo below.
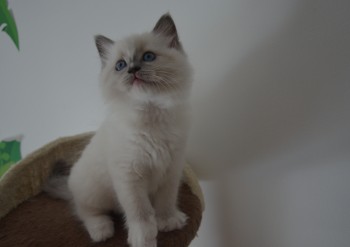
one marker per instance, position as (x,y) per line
(29,217)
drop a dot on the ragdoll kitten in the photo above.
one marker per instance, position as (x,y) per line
(134,162)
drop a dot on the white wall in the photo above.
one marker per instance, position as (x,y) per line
(271,101)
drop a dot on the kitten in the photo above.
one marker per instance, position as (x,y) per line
(134,162)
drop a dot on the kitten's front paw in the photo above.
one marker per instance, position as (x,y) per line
(143,234)
(175,221)
(100,228)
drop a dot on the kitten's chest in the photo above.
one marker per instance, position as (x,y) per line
(158,140)
(157,147)
(154,157)
(150,141)
(158,133)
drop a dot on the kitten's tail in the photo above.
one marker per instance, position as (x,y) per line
(57,184)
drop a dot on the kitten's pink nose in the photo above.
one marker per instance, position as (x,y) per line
(134,69)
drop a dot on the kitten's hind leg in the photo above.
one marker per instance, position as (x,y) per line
(98,224)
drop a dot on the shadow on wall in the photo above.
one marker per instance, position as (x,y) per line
(291,89)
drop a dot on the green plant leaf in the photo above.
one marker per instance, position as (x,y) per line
(10,153)
(7,18)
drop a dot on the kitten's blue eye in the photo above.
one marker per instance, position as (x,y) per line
(149,56)
(121,64)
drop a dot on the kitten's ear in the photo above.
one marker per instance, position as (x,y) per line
(103,44)
(166,27)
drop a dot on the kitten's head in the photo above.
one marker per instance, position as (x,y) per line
(145,67)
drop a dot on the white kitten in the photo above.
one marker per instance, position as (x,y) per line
(134,162)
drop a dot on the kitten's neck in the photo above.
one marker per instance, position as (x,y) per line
(149,114)
(154,117)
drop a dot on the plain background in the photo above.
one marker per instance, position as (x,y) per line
(271,104)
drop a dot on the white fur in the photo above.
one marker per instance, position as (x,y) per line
(134,162)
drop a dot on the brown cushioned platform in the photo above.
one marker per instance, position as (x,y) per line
(29,217)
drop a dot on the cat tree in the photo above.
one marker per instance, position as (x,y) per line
(29,217)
